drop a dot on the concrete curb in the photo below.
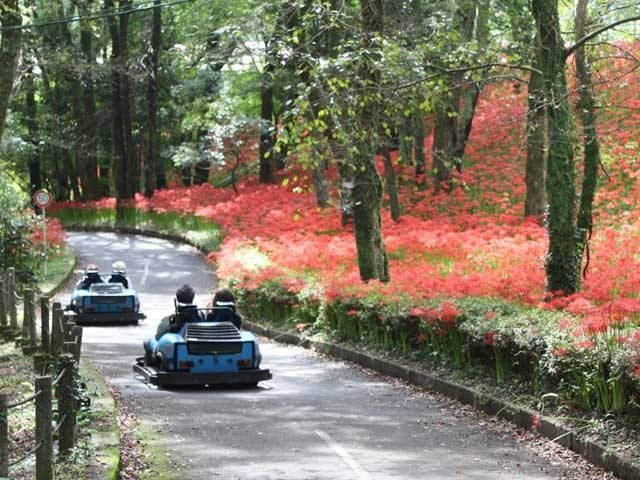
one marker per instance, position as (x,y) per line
(549,427)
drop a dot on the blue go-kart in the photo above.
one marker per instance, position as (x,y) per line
(105,303)
(206,347)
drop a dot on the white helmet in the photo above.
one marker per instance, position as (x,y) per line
(119,267)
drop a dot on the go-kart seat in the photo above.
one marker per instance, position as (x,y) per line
(89,280)
(224,314)
(119,278)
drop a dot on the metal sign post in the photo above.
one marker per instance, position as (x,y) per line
(42,199)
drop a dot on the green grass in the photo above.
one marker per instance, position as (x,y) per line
(198,230)
(60,263)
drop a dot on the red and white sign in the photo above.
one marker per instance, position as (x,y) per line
(42,198)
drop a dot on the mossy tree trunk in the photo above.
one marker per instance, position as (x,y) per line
(367,185)
(563,259)
(586,107)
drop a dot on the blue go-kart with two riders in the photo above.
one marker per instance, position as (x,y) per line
(202,346)
(105,300)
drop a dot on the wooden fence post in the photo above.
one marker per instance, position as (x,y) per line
(11,297)
(29,321)
(67,405)
(44,454)
(77,341)
(40,363)
(3,299)
(56,329)
(44,324)
(4,435)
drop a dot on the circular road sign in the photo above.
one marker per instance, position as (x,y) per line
(42,198)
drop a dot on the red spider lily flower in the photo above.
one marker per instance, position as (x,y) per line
(535,422)
(490,338)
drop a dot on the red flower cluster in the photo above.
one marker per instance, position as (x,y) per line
(55,233)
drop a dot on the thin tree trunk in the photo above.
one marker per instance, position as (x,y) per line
(444,141)
(320,181)
(391,184)
(74,93)
(535,201)
(132,177)
(89,123)
(563,260)
(267,128)
(35,176)
(419,134)
(151,162)
(118,162)
(9,53)
(589,134)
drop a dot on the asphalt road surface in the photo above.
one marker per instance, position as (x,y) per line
(317,418)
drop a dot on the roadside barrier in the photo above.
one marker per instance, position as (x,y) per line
(58,347)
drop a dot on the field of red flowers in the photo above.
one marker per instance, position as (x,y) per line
(472,242)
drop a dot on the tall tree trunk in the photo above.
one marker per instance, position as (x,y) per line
(535,201)
(119,157)
(367,188)
(132,178)
(89,123)
(589,134)
(151,162)
(35,175)
(73,91)
(9,53)
(563,260)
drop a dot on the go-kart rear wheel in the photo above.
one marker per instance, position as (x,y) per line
(148,359)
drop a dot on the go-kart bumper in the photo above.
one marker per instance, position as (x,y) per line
(168,378)
(109,317)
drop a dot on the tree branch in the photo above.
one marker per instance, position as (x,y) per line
(569,50)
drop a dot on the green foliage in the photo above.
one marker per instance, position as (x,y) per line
(16,225)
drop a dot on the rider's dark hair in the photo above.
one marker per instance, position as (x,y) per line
(185,294)
(223,295)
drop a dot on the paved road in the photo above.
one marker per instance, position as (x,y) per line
(317,419)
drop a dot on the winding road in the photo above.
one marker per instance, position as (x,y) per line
(317,419)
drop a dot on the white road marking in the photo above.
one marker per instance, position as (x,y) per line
(146,273)
(348,459)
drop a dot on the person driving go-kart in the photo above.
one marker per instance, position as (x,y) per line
(186,312)
(119,274)
(91,276)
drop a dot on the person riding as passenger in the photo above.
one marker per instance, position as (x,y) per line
(119,274)
(223,308)
(91,276)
